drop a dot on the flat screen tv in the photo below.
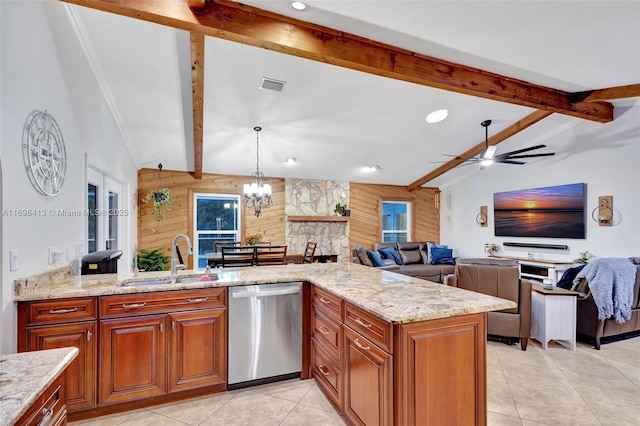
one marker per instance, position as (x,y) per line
(550,212)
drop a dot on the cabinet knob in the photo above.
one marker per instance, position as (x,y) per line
(326,301)
(88,335)
(47,413)
(323,330)
(322,370)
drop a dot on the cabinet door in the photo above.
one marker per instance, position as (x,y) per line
(368,381)
(198,350)
(133,358)
(81,373)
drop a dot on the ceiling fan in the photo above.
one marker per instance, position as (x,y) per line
(488,157)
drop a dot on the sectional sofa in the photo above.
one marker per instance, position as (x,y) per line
(414,258)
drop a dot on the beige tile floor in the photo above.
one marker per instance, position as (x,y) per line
(536,387)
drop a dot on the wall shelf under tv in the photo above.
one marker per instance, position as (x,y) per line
(548,271)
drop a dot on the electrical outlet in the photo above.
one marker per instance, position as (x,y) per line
(55,254)
(13,260)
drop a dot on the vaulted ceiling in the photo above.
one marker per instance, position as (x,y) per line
(183,84)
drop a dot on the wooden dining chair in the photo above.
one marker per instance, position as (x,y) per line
(309,252)
(217,246)
(238,255)
(270,255)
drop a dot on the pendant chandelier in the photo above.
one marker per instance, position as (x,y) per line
(257,194)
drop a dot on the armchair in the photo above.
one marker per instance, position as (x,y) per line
(499,278)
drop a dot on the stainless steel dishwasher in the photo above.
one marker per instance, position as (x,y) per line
(265,333)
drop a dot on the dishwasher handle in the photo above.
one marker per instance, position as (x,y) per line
(276,292)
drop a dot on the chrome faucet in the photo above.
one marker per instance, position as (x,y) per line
(174,259)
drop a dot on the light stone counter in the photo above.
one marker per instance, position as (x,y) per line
(25,376)
(393,297)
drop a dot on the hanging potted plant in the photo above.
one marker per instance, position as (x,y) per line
(162,201)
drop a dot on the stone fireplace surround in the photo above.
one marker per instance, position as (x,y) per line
(316,198)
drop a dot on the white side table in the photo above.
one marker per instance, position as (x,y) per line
(553,316)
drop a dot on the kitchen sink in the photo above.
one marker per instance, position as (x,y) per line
(136,282)
(159,281)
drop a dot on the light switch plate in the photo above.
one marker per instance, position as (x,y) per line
(13,260)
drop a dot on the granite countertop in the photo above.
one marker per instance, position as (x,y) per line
(25,376)
(391,296)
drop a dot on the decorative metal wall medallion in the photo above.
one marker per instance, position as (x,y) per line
(44,153)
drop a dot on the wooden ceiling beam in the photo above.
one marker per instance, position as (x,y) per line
(501,136)
(619,92)
(196,4)
(197,99)
(252,26)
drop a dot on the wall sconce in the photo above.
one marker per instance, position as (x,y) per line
(604,211)
(482,219)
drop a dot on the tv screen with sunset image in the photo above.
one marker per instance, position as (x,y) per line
(551,212)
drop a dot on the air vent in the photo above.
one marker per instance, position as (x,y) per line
(271,84)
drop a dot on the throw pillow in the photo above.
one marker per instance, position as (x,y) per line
(376,258)
(390,253)
(362,255)
(410,256)
(442,255)
(429,248)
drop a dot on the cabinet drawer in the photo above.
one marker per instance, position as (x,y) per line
(49,408)
(373,328)
(161,302)
(328,375)
(60,310)
(328,330)
(328,302)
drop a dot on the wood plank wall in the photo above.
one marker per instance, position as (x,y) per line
(159,234)
(366,202)
(365,207)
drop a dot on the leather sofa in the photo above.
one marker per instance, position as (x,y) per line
(588,325)
(499,278)
(414,259)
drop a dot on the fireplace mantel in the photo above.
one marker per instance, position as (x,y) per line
(318,218)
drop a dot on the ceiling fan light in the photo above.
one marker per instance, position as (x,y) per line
(371,169)
(291,160)
(437,116)
(487,162)
(489,152)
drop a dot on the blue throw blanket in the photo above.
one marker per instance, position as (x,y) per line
(611,282)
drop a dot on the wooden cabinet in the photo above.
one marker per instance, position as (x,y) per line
(155,343)
(327,341)
(133,358)
(51,324)
(368,368)
(441,372)
(49,409)
(197,349)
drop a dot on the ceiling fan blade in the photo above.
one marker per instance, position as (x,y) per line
(458,156)
(510,162)
(531,148)
(548,154)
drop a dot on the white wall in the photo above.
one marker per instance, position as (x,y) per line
(44,68)
(607,161)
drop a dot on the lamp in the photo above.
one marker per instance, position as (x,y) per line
(257,194)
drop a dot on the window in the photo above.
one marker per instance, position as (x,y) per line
(217,218)
(396,221)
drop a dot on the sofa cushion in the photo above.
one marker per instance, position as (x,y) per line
(429,247)
(390,253)
(411,256)
(375,258)
(442,256)
(362,255)
(502,281)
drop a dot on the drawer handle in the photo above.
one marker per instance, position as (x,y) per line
(323,300)
(358,344)
(322,368)
(198,300)
(362,323)
(134,306)
(62,311)
(47,413)
(323,330)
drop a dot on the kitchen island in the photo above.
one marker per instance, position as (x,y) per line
(373,338)
(25,381)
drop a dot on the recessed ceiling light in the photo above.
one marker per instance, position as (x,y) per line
(437,116)
(291,160)
(370,169)
(298,5)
